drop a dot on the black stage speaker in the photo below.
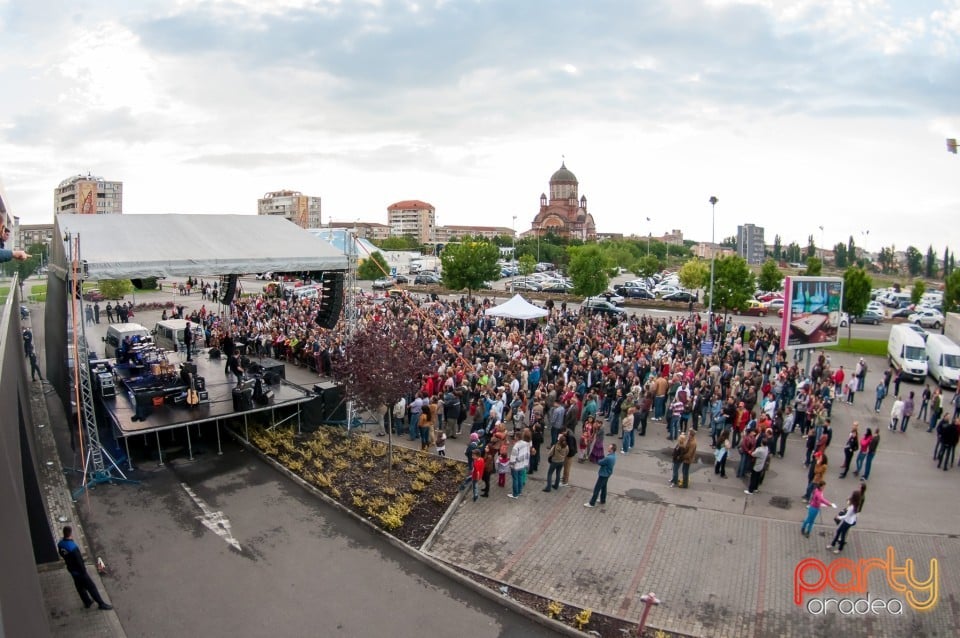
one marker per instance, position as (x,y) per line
(331,299)
(330,404)
(271,378)
(213,353)
(228,288)
(242,399)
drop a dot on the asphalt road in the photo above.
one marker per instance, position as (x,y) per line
(303,569)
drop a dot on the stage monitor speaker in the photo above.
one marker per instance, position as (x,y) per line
(331,299)
(330,405)
(213,353)
(242,399)
(228,288)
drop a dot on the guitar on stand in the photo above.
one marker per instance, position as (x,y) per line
(193,399)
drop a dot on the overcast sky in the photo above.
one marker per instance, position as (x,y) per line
(796,114)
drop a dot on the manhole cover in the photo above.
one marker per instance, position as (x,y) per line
(642,495)
(780,501)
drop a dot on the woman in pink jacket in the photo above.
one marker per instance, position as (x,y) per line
(817,500)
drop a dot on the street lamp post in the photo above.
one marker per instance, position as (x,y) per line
(823,245)
(514,236)
(649,233)
(713,255)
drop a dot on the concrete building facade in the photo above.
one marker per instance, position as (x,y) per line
(88,195)
(750,244)
(413,218)
(302,210)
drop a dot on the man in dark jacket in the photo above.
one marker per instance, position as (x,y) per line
(949,437)
(70,552)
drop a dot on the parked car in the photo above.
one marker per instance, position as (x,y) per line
(769,296)
(557,286)
(602,306)
(427,278)
(753,309)
(610,296)
(523,284)
(401,279)
(868,316)
(927,317)
(634,292)
(680,295)
(876,306)
(903,313)
(384,283)
(92,295)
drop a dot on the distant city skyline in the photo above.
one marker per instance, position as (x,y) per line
(795,115)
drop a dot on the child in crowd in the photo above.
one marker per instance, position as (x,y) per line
(503,466)
(441,442)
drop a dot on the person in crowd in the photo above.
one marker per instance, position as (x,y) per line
(907,411)
(948,437)
(815,475)
(519,463)
(556,455)
(849,448)
(476,474)
(760,456)
(677,457)
(603,477)
(896,413)
(864,449)
(847,518)
(689,456)
(721,452)
(871,453)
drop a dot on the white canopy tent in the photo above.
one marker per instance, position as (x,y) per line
(517,308)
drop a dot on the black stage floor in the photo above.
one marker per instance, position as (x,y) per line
(219,387)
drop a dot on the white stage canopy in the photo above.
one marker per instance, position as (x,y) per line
(517,308)
(171,245)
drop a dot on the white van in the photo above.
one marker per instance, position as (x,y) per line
(907,351)
(168,334)
(944,360)
(117,332)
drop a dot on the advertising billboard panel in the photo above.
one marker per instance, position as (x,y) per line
(811,312)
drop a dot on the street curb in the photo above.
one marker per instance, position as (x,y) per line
(415,553)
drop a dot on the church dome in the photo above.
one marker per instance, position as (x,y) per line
(563,174)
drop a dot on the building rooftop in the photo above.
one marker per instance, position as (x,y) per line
(410,204)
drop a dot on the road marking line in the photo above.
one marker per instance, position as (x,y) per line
(216,522)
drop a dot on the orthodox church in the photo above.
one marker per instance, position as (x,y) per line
(563,214)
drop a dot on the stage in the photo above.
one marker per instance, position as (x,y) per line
(121,412)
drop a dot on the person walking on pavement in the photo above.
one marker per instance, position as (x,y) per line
(896,413)
(603,476)
(721,453)
(864,447)
(519,462)
(96,312)
(949,437)
(70,552)
(908,406)
(571,453)
(881,392)
(678,459)
(689,456)
(847,518)
(871,452)
(110,313)
(817,500)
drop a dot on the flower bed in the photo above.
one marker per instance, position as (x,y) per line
(353,470)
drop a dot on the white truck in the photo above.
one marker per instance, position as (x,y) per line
(907,351)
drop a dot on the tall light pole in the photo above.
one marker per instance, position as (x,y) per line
(713,255)
(649,233)
(514,235)
(823,245)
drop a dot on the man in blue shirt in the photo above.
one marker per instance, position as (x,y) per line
(70,552)
(603,475)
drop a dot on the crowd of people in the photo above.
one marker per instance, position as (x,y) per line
(565,387)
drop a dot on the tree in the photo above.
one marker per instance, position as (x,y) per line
(398,242)
(887,258)
(729,242)
(930,270)
(946,262)
(811,247)
(694,274)
(793,252)
(526,265)
(373,267)
(469,264)
(115,288)
(733,283)
(777,247)
(851,250)
(840,255)
(381,362)
(814,267)
(588,270)
(771,279)
(646,266)
(856,293)
(951,292)
(914,261)
(917,291)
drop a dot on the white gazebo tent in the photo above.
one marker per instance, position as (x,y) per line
(517,308)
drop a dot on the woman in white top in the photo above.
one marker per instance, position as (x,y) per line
(847,518)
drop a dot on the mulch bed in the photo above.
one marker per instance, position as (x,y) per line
(353,470)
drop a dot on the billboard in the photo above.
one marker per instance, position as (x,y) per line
(811,312)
